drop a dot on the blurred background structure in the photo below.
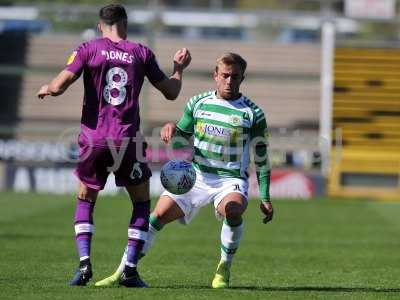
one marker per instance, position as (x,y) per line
(326,73)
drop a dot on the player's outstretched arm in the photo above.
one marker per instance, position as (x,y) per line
(167,132)
(58,85)
(259,136)
(171,87)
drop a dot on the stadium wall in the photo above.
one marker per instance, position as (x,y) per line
(57,179)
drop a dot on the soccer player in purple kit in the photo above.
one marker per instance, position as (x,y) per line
(113,73)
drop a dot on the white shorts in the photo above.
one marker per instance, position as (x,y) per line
(208,188)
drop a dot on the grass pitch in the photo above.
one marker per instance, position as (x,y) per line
(319,249)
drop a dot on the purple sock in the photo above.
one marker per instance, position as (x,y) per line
(137,231)
(83,227)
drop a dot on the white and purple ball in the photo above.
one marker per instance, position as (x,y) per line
(178,176)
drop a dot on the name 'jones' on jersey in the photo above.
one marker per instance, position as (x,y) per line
(113,77)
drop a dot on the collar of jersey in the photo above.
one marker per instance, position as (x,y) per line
(230,101)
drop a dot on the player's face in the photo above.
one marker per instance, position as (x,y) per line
(228,79)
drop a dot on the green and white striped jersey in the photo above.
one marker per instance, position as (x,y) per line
(223,132)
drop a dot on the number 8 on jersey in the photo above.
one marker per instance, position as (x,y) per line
(115,92)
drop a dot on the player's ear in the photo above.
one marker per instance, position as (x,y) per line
(215,74)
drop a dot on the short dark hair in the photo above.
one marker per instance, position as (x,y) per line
(113,13)
(229,59)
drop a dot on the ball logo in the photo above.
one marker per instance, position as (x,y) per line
(184,182)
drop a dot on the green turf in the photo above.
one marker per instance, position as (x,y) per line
(320,249)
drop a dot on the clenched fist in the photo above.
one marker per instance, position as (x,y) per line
(182,58)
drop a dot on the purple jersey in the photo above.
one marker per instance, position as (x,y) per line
(113,75)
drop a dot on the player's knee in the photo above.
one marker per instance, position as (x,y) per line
(234,211)
(87,194)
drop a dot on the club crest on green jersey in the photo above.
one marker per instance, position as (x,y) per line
(235,120)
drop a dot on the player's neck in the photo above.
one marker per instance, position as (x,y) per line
(114,37)
(231,98)
(115,34)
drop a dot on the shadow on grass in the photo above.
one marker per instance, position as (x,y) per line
(328,289)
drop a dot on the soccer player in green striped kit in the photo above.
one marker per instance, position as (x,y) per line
(225,125)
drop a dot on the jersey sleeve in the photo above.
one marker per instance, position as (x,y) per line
(152,69)
(259,136)
(77,60)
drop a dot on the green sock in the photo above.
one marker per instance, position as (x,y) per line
(153,221)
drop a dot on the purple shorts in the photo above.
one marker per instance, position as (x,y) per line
(96,163)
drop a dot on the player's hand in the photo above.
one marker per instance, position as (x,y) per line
(182,58)
(167,132)
(43,91)
(267,210)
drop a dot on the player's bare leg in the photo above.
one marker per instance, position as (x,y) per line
(83,233)
(232,208)
(166,211)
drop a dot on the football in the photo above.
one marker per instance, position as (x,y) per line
(178,176)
